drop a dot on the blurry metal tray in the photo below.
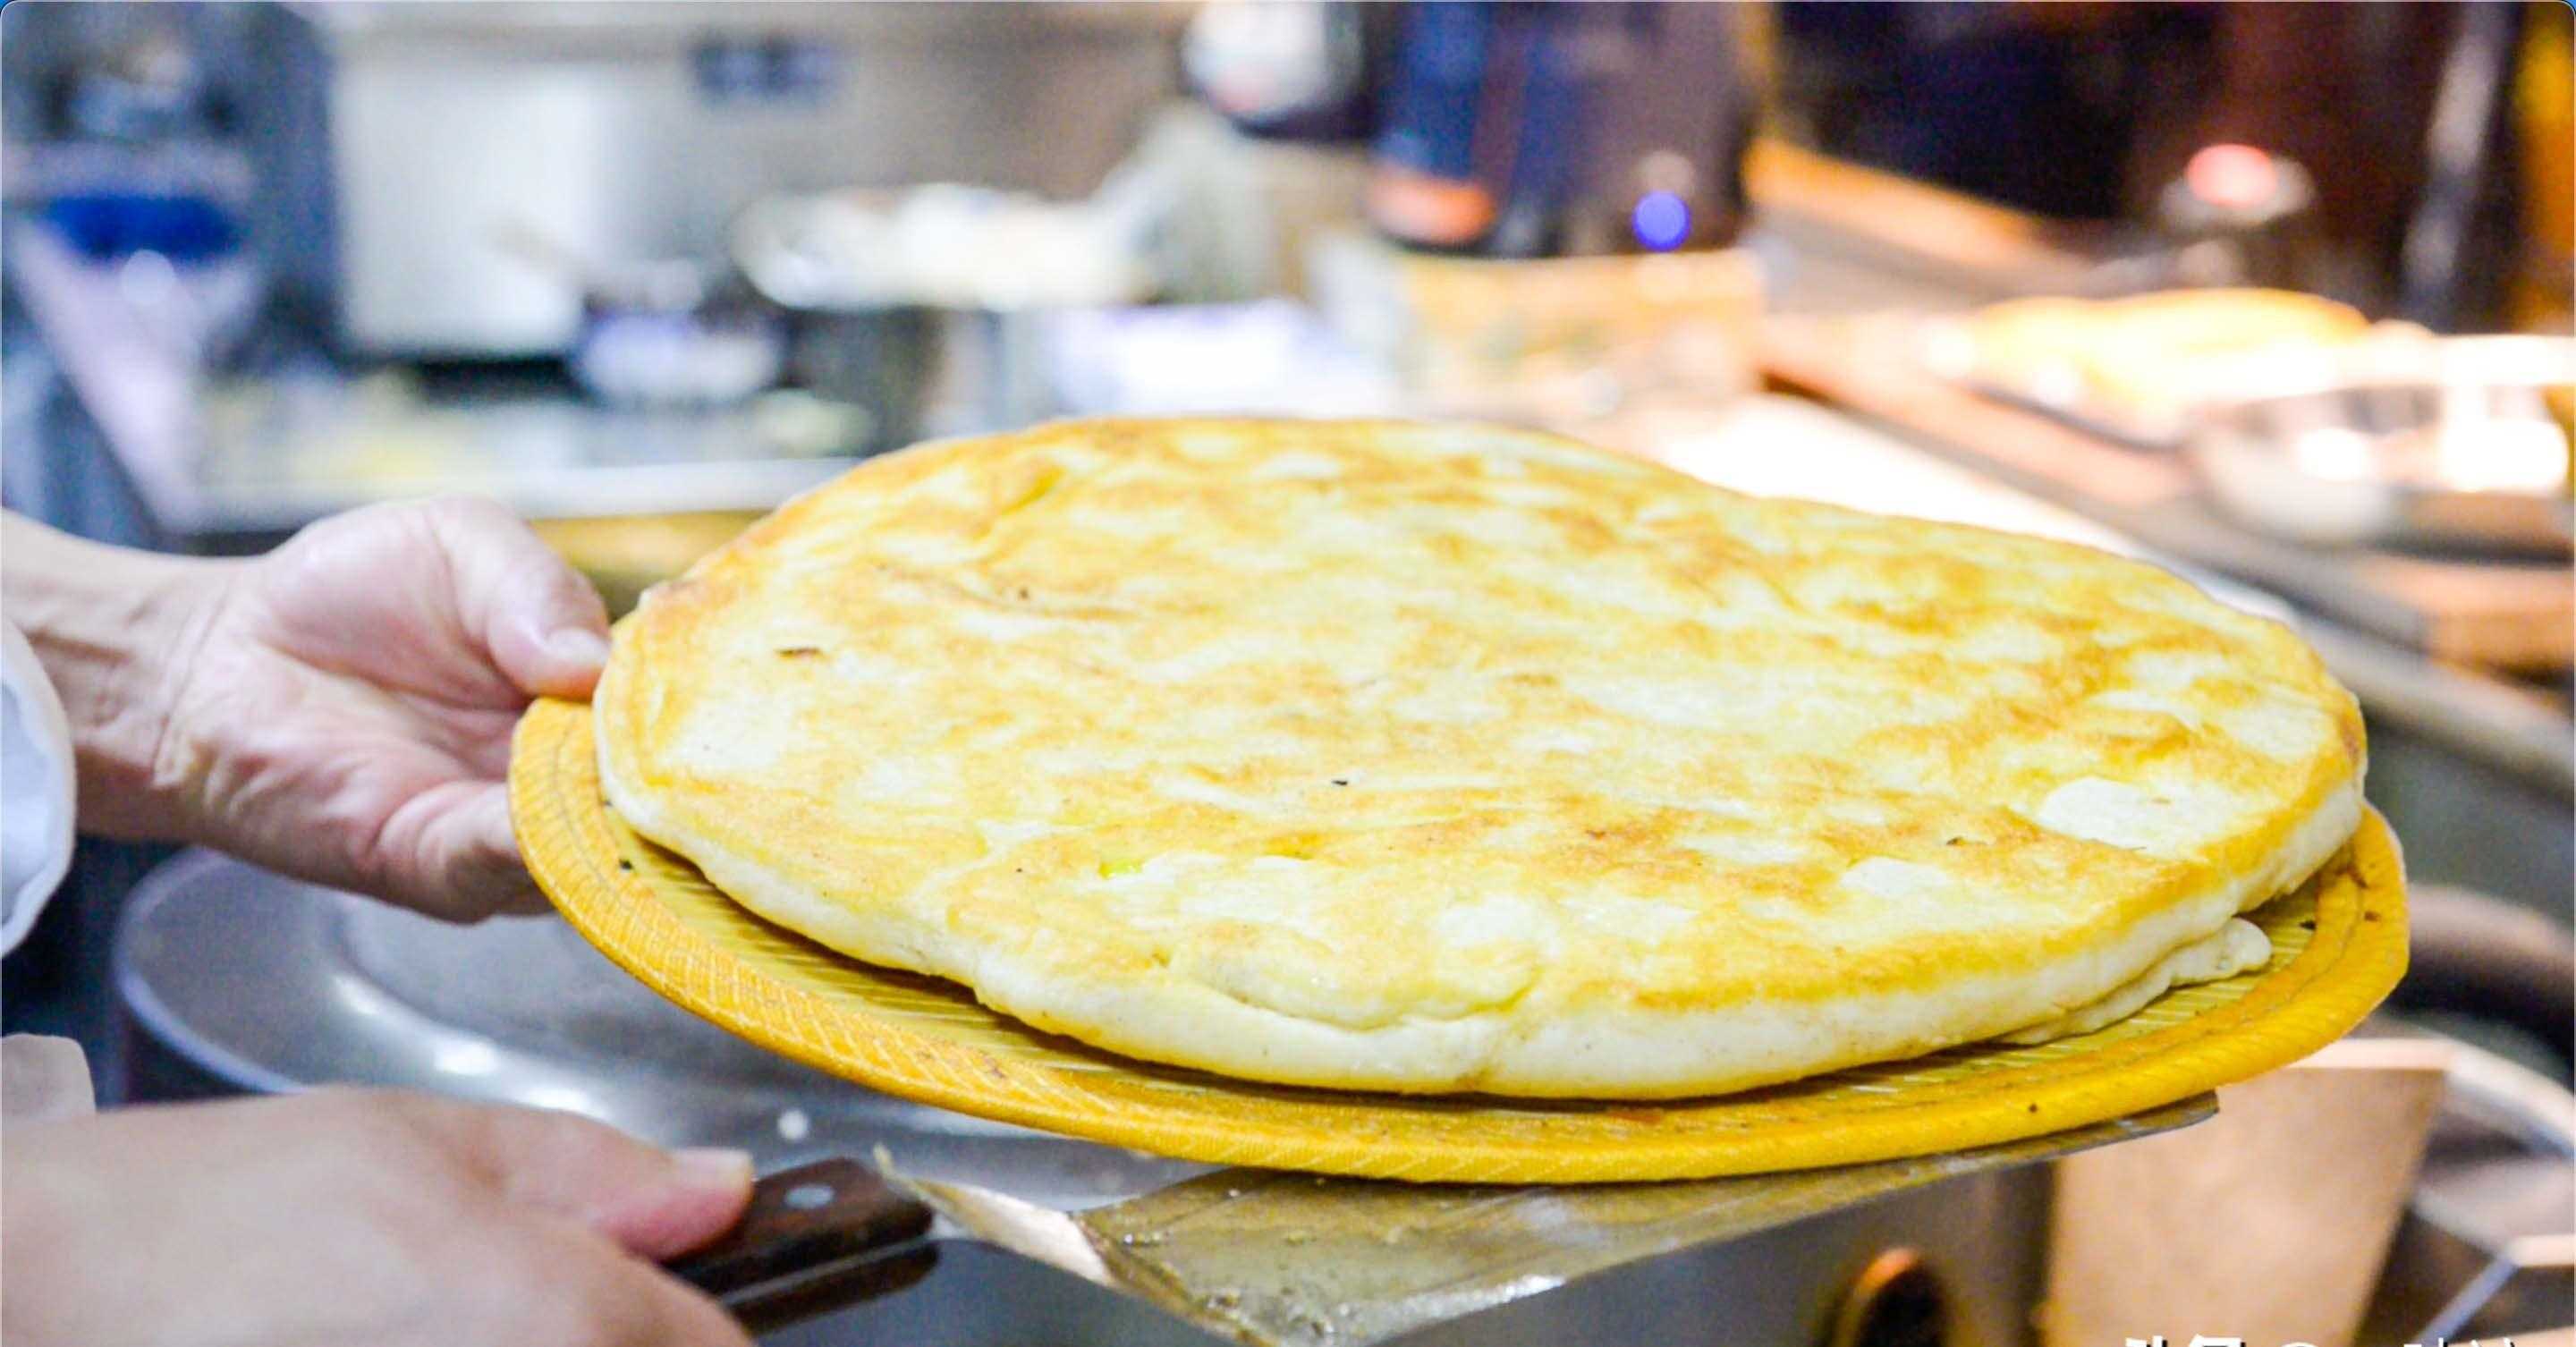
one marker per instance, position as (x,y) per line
(2238,433)
(2457,443)
(2339,946)
(2485,612)
(1946,348)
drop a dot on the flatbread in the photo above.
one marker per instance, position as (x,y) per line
(1417,757)
(2151,356)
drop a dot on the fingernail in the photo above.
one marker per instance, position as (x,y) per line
(713,1167)
(577,646)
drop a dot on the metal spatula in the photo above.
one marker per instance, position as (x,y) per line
(1267,1257)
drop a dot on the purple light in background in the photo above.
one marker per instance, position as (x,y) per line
(1661,221)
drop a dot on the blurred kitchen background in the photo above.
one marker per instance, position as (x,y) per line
(2275,295)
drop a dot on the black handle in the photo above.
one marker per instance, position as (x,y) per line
(815,1238)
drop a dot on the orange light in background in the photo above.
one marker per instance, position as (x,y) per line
(2235,177)
(1419,207)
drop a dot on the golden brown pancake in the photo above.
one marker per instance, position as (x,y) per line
(2151,357)
(1443,757)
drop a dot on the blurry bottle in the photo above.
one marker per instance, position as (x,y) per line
(2239,215)
(2545,128)
(1517,130)
(1508,130)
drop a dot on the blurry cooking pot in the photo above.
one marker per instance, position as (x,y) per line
(934,303)
(661,332)
(671,334)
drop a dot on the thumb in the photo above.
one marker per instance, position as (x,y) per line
(542,622)
(654,1203)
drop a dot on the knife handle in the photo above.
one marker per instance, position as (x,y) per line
(814,1238)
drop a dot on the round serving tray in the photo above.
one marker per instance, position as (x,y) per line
(2339,945)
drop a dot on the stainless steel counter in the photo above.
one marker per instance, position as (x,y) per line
(212,457)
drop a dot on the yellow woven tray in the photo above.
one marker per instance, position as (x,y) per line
(2339,945)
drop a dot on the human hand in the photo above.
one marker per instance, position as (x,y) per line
(348,715)
(360,1219)
(339,710)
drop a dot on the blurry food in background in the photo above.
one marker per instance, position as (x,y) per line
(2135,364)
(2307,420)
(2457,442)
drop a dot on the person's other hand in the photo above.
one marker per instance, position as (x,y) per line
(359,1219)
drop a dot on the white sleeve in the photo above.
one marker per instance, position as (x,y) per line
(36,790)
